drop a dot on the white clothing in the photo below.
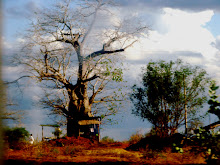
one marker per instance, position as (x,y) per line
(31,139)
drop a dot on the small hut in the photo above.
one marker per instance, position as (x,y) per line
(90,128)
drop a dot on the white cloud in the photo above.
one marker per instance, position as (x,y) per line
(10,73)
(185,37)
(21,40)
(217,43)
(6,44)
(187,32)
(179,17)
(184,32)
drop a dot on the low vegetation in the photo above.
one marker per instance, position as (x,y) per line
(107,139)
(16,137)
(136,137)
(140,149)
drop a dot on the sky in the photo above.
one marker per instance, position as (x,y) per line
(185,29)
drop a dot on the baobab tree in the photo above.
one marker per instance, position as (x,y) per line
(73,55)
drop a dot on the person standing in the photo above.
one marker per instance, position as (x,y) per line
(31,139)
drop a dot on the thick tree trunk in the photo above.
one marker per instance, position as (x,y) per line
(72,128)
(79,108)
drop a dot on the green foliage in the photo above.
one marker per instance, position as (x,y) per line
(202,142)
(107,139)
(135,137)
(213,103)
(176,148)
(57,132)
(207,143)
(15,135)
(210,143)
(108,106)
(161,99)
(114,73)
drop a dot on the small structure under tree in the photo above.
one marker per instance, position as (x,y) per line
(90,128)
(87,127)
(47,125)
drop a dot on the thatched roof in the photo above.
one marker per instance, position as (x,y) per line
(88,122)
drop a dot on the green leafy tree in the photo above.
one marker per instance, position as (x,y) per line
(214,107)
(57,132)
(73,56)
(167,88)
(15,135)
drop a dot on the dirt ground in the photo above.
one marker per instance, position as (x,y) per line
(82,151)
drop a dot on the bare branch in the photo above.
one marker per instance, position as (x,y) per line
(91,78)
(130,44)
(101,52)
(15,81)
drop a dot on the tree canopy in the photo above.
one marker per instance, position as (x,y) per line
(213,102)
(167,87)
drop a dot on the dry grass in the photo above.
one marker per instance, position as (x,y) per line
(77,150)
(136,137)
(118,154)
(167,157)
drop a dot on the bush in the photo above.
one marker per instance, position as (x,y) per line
(57,133)
(107,139)
(135,137)
(15,136)
(207,143)
(152,142)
